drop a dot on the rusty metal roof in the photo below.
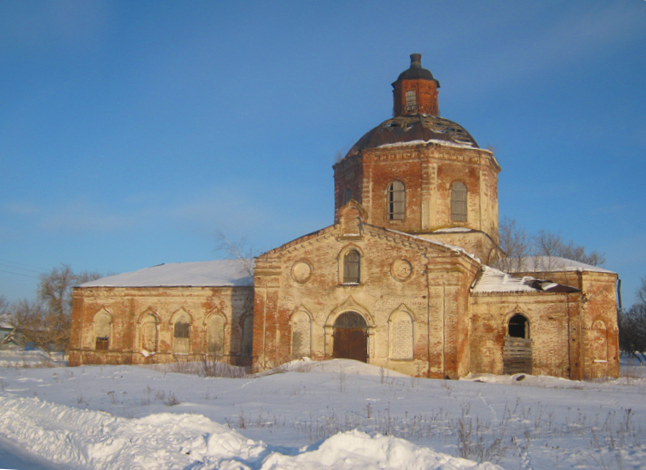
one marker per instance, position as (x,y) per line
(419,127)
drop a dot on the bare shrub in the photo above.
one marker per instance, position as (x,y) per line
(171,399)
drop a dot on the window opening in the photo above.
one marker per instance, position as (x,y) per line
(411,101)
(396,201)
(351,267)
(102,332)
(181,334)
(459,202)
(347,196)
(518,327)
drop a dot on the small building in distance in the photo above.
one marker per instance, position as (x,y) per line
(403,279)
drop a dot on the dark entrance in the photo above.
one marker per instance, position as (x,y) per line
(517,353)
(351,337)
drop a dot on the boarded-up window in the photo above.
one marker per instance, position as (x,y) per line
(401,336)
(599,341)
(459,202)
(181,334)
(247,336)
(411,101)
(301,335)
(396,201)
(102,330)
(352,267)
(149,331)
(215,335)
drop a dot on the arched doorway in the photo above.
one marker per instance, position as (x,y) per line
(350,337)
(517,353)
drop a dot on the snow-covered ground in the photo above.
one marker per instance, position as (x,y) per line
(338,414)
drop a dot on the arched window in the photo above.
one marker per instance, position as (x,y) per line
(459,202)
(181,334)
(247,336)
(352,267)
(396,201)
(347,195)
(149,333)
(411,101)
(401,336)
(301,335)
(215,335)
(518,327)
(102,330)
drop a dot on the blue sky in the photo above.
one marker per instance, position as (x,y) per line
(131,132)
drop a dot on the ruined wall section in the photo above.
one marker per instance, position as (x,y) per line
(129,308)
(600,349)
(348,179)
(554,320)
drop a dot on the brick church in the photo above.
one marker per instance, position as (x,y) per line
(401,280)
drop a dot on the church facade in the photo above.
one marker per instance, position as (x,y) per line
(401,280)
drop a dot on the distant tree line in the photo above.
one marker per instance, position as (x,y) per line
(632,326)
(45,321)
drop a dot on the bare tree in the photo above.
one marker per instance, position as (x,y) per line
(632,326)
(518,247)
(514,243)
(239,250)
(552,245)
(54,317)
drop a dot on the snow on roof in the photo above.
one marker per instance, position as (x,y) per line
(435,242)
(447,143)
(541,264)
(199,274)
(453,230)
(493,280)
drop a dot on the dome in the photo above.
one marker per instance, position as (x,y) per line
(415,129)
(416,71)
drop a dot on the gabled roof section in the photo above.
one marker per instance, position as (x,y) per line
(338,229)
(218,273)
(453,248)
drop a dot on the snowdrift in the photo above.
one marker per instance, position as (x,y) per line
(82,439)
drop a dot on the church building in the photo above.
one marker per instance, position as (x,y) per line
(401,280)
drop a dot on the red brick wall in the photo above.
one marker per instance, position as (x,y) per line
(127,306)
(426,92)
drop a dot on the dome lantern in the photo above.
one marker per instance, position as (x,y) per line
(415,91)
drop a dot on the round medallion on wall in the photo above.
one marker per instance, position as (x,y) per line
(301,272)
(401,269)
